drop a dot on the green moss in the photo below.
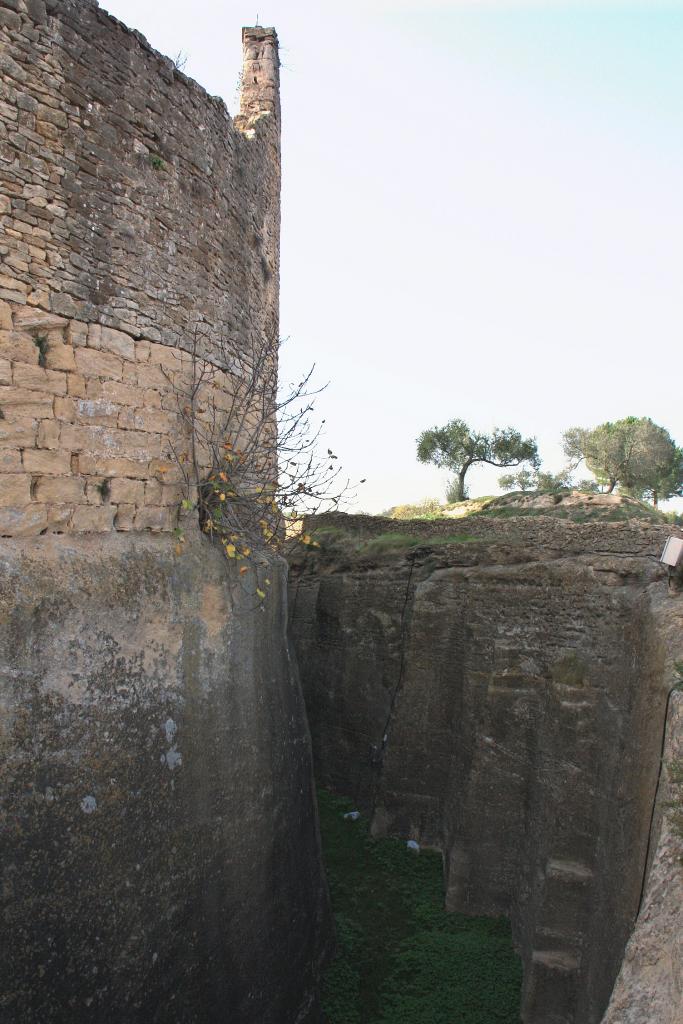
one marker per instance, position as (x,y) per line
(332,540)
(577,514)
(401,958)
(389,542)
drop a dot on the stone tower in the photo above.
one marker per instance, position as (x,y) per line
(159,848)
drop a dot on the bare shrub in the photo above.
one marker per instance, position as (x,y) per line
(251,461)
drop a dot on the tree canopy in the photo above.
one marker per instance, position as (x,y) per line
(634,454)
(457,447)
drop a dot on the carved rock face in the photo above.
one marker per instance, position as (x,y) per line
(503,700)
(159,850)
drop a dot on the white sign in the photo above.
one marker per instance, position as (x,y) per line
(673,549)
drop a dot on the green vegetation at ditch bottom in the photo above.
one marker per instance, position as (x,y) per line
(401,958)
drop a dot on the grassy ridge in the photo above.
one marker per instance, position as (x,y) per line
(402,959)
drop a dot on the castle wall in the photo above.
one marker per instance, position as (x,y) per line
(159,846)
(139,223)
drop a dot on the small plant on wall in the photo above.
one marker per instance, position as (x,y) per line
(253,466)
(41,343)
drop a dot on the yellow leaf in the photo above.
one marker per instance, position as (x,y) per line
(221,496)
(223,477)
(246,552)
(179,549)
(260,593)
(230,550)
(267,582)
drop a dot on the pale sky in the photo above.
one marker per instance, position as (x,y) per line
(482,213)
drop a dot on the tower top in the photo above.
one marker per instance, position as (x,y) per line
(260,90)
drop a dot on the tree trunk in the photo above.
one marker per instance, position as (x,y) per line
(461,483)
(612,485)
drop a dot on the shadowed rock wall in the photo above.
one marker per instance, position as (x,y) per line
(160,853)
(649,989)
(502,700)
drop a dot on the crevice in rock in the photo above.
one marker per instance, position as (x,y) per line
(378,750)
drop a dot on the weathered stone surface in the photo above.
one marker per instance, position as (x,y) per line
(649,989)
(159,847)
(15,489)
(60,357)
(28,521)
(59,489)
(502,700)
(127,492)
(10,461)
(46,462)
(89,519)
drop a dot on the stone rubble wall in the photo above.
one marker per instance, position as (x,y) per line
(135,217)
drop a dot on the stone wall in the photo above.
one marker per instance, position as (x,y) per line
(547,535)
(139,222)
(91,440)
(501,699)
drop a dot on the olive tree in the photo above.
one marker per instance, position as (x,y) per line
(456,447)
(634,454)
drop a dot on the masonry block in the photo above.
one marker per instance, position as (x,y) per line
(36,378)
(60,489)
(47,463)
(28,521)
(130,492)
(15,489)
(91,519)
